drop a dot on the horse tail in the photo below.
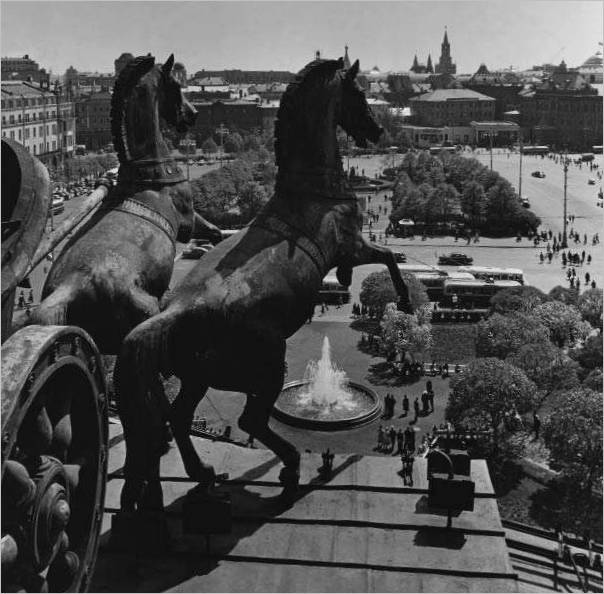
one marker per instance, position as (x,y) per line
(54,309)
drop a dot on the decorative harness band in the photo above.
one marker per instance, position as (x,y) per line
(303,241)
(141,210)
(151,171)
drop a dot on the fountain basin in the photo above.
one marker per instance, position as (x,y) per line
(364,407)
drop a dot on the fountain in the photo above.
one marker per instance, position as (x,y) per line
(325,398)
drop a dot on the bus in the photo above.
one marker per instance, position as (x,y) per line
(435,150)
(472,294)
(494,273)
(333,292)
(535,150)
(433,281)
(597,149)
(413,268)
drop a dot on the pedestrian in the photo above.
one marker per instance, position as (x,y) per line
(585,239)
(380,438)
(541,258)
(593,284)
(416,408)
(400,441)
(392,404)
(425,402)
(405,405)
(392,436)
(582,256)
(431,400)
(589,258)
(31,296)
(21,302)
(587,278)
(409,439)
(550,256)
(536,425)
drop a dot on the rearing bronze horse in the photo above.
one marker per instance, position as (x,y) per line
(226,324)
(114,270)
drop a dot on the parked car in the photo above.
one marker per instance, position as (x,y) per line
(538,174)
(526,203)
(196,248)
(591,181)
(455,259)
(400,257)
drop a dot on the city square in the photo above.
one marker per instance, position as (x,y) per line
(319,327)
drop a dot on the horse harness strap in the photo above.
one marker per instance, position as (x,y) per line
(291,232)
(143,211)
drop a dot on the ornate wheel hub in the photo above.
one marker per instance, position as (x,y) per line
(54,440)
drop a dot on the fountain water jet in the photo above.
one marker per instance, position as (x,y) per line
(325,398)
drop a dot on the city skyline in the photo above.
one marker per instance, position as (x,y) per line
(285,36)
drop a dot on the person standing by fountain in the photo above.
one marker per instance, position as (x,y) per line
(380,439)
(409,439)
(416,409)
(392,436)
(400,440)
(405,405)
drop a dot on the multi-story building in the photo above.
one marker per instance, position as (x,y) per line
(23,68)
(249,77)
(564,111)
(502,85)
(40,118)
(93,113)
(85,83)
(451,107)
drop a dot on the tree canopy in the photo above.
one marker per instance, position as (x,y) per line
(404,334)
(517,299)
(377,291)
(500,335)
(487,393)
(589,304)
(564,322)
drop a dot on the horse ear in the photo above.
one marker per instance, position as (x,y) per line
(354,70)
(169,63)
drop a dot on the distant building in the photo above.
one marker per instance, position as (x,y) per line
(445,64)
(451,107)
(93,116)
(23,68)
(563,111)
(247,76)
(591,69)
(39,117)
(502,85)
(86,83)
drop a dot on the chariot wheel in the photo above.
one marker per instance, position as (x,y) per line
(54,459)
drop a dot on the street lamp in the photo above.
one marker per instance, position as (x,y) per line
(221,131)
(565,166)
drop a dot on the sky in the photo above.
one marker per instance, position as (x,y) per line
(255,35)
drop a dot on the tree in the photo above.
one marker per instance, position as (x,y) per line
(564,295)
(564,322)
(404,334)
(486,394)
(590,306)
(474,203)
(444,203)
(593,380)
(233,143)
(499,335)
(589,354)
(377,291)
(209,146)
(547,366)
(251,199)
(573,434)
(517,299)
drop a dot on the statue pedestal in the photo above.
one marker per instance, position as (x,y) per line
(140,531)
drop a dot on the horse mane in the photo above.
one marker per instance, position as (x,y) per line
(126,81)
(289,108)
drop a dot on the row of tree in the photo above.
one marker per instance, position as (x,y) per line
(541,353)
(452,189)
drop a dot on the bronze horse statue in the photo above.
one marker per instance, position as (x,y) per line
(225,325)
(117,266)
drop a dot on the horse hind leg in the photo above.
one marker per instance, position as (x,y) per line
(181,417)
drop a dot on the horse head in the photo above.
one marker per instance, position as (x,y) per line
(173,106)
(355,115)
(144,93)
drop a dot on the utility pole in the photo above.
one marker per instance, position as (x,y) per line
(564,238)
(221,131)
(491,147)
(520,174)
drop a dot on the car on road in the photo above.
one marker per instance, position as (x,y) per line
(538,174)
(526,203)
(196,248)
(400,257)
(455,259)
(591,181)
(58,205)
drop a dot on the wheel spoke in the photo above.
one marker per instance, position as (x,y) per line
(18,489)
(35,434)
(9,552)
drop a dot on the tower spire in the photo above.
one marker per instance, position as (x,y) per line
(446,38)
(346,58)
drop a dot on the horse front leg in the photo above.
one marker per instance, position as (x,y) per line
(371,253)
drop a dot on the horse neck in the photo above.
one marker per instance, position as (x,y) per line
(144,140)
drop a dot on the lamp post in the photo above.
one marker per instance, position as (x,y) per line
(221,131)
(491,147)
(565,166)
(520,174)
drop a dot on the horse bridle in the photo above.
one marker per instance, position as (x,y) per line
(141,210)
